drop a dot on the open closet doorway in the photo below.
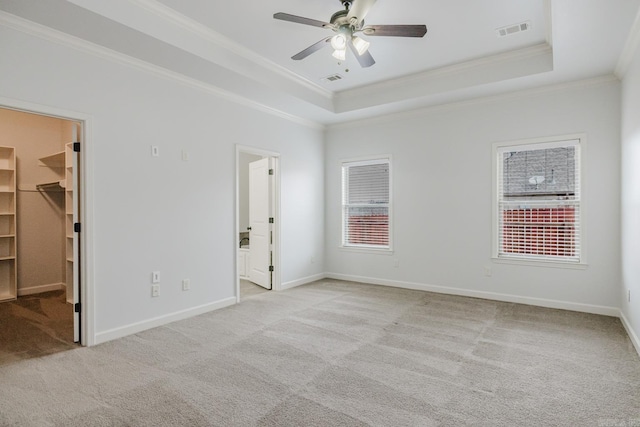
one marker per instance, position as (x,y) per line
(39,234)
(257,222)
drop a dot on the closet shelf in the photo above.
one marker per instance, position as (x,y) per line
(8,270)
(55,160)
(51,186)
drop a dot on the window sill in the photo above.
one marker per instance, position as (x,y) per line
(375,251)
(546,263)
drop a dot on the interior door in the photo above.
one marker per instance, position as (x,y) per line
(260,229)
(73,262)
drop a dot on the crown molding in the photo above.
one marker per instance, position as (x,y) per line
(43,32)
(188,24)
(630,47)
(490,69)
(412,79)
(421,112)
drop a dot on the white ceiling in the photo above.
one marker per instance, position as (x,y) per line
(239,48)
(452,37)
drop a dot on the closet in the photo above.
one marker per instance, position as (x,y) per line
(38,206)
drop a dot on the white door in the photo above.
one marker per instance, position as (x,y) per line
(73,259)
(260,229)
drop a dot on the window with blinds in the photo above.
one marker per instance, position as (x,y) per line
(365,204)
(538,215)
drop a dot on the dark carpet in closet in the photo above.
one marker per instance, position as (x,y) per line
(34,326)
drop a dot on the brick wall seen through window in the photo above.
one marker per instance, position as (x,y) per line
(539,202)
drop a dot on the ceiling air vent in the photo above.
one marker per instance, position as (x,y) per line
(512,29)
(332,78)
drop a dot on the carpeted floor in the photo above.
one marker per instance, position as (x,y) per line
(34,326)
(249,289)
(342,354)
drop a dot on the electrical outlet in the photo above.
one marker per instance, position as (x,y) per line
(155,290)
(155,151)
(185,156)
(186,284)
(487,271)
(155,277)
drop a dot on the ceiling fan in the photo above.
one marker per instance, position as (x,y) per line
(346,24)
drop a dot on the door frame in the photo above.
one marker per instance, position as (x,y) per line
(275,199)
(85,179)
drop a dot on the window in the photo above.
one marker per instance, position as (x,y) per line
(365,204)
(538,201)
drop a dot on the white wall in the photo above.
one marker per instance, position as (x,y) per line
(631,197)
(163,213)
(442,197)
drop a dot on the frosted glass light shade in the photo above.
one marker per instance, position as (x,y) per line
(361,45)
(339,42)
(340,55)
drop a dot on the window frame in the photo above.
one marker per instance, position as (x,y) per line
(581,263)
(388,250)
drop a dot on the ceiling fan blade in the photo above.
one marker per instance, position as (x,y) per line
(395,30)
(313,48)
(365,60)
(359,9)
(301,20)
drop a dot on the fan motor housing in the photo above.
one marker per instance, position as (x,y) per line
(339,18)
(341,22)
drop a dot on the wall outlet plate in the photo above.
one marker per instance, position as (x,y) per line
(155,290)
(155,277)
(186,284)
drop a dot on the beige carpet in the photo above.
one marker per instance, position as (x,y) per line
(342,354)
(34,326)
(249,289)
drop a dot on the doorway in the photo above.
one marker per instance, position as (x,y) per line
(257,222)
(39,234)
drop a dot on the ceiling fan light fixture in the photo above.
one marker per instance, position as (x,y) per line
(344,23)
(339,42)
(340,54)
(361,45)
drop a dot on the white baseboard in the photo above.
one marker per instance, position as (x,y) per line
(540,302)
(134,328)
(40,288)
(632,334)
(303,281)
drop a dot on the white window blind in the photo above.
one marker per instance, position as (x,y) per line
(539,201)
(365,203)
